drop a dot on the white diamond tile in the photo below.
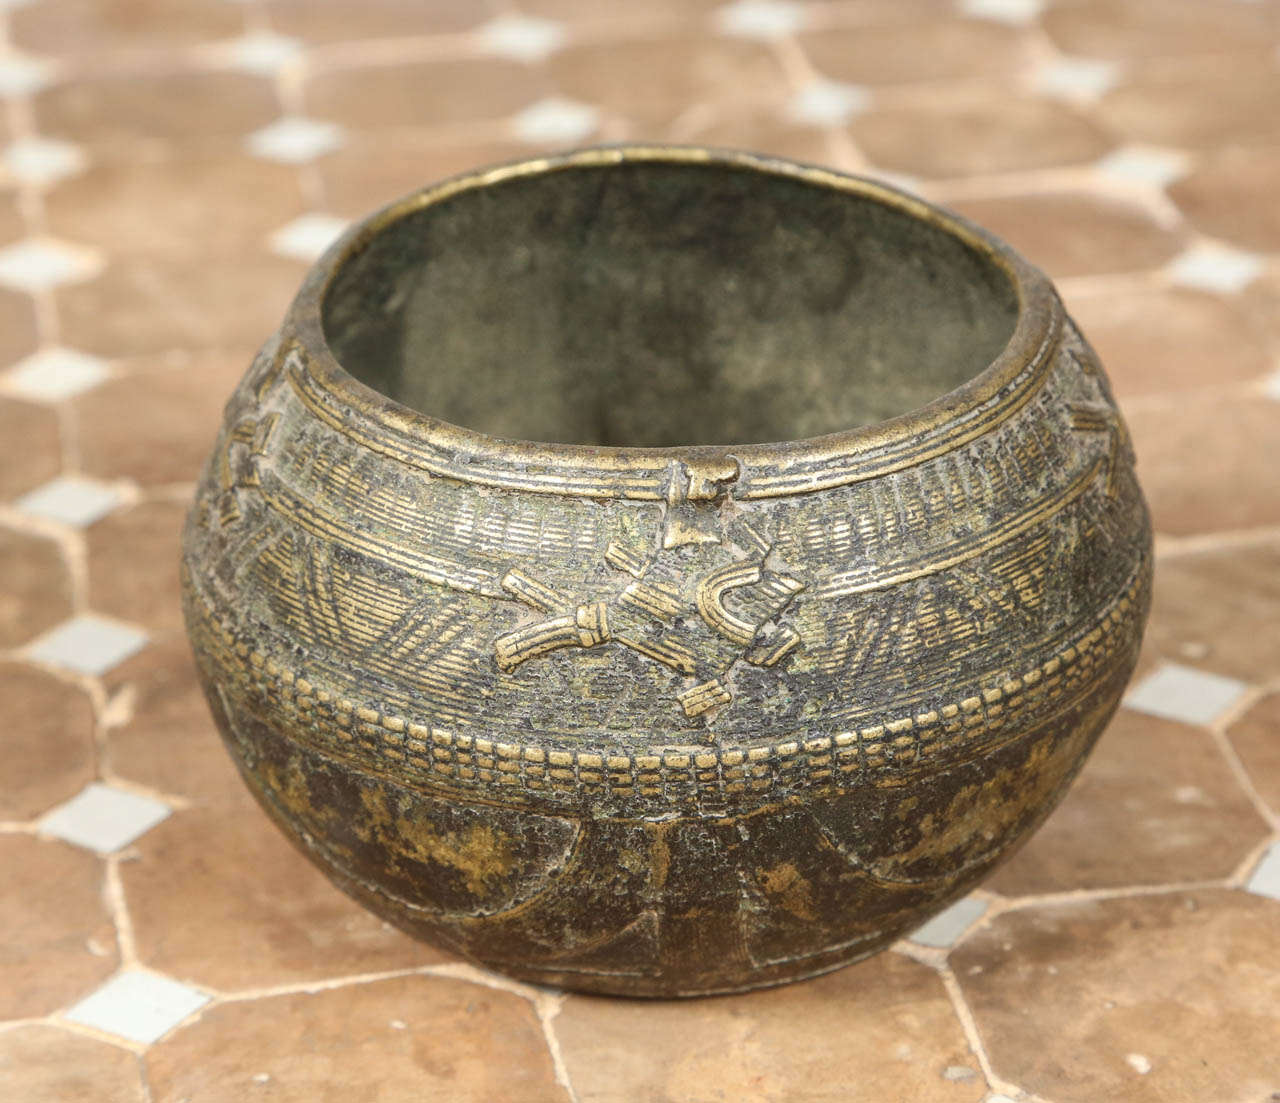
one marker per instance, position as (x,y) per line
(1219,268)
(141,1007)
(522,37)
(1143,165)
(87,644)
(1265,879)
(305,238)
(1015,12)
(1271,385)
(103,818)
(1077,78)
(1177,692)
(21,75)
(37,264)
(70,500)
(54,374)
(294,139)
(947,926)
(760,18)
(828,103)
(261,52)
(42,160)
(556,120)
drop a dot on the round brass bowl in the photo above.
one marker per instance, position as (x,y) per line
(639,712)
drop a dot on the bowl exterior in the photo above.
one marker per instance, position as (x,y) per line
(711,727)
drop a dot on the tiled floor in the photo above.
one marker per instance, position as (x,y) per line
(166,171)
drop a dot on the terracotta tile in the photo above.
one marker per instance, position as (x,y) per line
(906,49)
(954,137)
(339,21)
(400,1039)
(424,93)
(375,168)
(32,455)
(37,589)
(12,225)
(1218,610)
(1198,104)
(169,741)
(883,1029)
(42,1064)
(651,81)
(145,305)
(1074,234)
(183,411)
(114,205)
(1256,739)
(59,941)
(132,114)
(266,921)
(1208,465)
(48,738)
(1147,999)
(1160,340)
(1122,29)
(1233,197)
(17,326)
(90,29)
(133,564)
(1161,787)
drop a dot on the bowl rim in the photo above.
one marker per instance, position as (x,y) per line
(758,470)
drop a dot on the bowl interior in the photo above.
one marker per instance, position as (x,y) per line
(654,303)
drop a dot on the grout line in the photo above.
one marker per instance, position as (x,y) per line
(1174,547)
(1244,870)
(548,1005)
(119,908)
(1087,896)
(309,987)
(1218,733)
(969,1025)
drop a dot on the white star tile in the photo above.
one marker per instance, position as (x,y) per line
(141,1007)
(307,236)
(523,37)
(760,18)
(42,160)
(294,139)
(827,103)
(87,644)
(21,75)
(945,928)
(70,500)
(54,374)
(1079,79)
(1265,879)
(1015,12)
(556,121)
(38,264)
(103,818)
(261,52)
(1177,692)
(1219,268)
(1143,165)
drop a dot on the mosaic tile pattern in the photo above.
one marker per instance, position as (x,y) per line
(166,173)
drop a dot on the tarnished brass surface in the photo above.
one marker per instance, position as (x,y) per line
(681,717)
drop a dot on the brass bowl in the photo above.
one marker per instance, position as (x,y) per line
(636,712)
